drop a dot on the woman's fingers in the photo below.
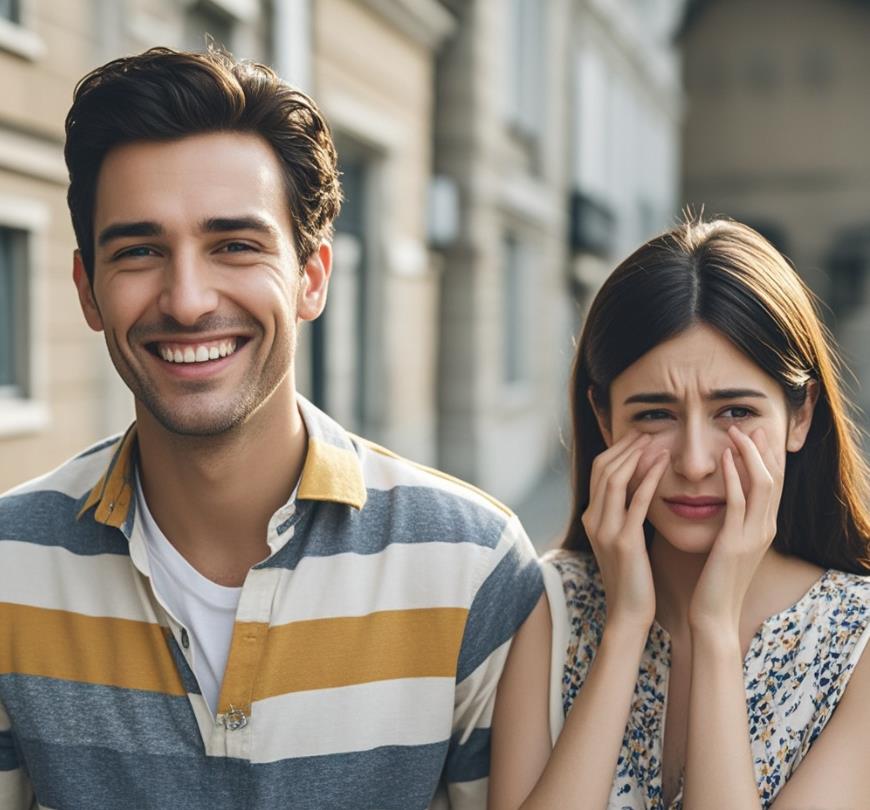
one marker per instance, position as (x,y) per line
(643,495)
(615,490)
(604,467)
(735,502)
(761,483)
(613,453)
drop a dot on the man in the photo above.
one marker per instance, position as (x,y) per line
(236,604)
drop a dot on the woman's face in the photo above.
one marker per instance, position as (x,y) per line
(686,393)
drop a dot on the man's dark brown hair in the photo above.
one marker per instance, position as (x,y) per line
(164,94)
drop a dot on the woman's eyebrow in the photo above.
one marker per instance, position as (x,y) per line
(661,397)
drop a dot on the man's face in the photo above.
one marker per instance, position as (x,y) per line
(196,280)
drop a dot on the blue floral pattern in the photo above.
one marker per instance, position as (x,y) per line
(795,671)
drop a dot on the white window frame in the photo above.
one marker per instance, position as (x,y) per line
(29,412)
(20,38)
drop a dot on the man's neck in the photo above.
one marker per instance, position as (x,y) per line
(213,496)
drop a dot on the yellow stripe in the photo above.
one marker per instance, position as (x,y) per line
(438,474)
(330,653)
(97,650)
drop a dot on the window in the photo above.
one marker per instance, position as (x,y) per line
(11,10)
(525,73)
(23,349)
(515,309)
(15,34)
(13,309)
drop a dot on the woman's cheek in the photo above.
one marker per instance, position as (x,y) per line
(646,461)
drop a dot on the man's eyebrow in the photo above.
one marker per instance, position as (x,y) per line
(225,224)
(660,398)
(119,230)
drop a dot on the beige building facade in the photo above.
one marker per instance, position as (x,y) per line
(776,135)
(505,314)
(373,360)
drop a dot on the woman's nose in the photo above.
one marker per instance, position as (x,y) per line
(696,455)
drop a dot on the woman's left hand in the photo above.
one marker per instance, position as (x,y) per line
(747,532)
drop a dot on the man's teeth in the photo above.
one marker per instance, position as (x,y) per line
(199,353)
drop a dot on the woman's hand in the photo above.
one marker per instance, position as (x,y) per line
(747,532)
(615,529)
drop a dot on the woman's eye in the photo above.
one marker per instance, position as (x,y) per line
(651,416)
(737,412)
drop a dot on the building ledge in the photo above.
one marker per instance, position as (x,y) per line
(425,21)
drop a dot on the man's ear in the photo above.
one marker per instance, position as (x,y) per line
(601,416)
(801,419)
(314,283)
(86,294)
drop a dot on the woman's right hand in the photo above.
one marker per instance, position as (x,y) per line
(614,527)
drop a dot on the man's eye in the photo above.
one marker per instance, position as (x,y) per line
(135,252)
(237,247)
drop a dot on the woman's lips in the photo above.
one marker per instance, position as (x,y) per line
(695,508)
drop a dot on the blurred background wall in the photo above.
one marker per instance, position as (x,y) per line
(499,158)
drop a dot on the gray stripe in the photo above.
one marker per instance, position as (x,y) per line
(8,754)
(398,515)
(71,714)
(96,778)
(501,605)
(469,761)
(49,519)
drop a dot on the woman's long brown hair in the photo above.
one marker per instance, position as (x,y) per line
(725,275)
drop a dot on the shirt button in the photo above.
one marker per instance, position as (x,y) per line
(235,719)
(185,639)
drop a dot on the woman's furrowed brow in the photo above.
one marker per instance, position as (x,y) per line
(663,398)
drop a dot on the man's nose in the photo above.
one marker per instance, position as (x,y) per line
(697,453)
(188,290)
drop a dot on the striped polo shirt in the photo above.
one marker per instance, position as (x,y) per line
(364,660)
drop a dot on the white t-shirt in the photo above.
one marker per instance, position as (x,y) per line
(206,610)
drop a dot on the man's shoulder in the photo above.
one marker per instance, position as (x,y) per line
(426,487)
(70,481)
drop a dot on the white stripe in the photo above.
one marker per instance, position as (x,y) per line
(385,472)
(74,478)
(409,711)
(475,696)
(54,578)
(404,576)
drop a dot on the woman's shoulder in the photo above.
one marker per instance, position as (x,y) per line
(576,568)
(581,583)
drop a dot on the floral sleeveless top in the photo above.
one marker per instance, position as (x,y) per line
(795,672)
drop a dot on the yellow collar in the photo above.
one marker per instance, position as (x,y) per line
(331,472)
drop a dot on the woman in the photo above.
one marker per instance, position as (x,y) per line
(709,609)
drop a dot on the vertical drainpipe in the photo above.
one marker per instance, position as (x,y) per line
(292,38)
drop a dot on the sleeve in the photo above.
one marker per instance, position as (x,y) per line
(15,790)
(508,590)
